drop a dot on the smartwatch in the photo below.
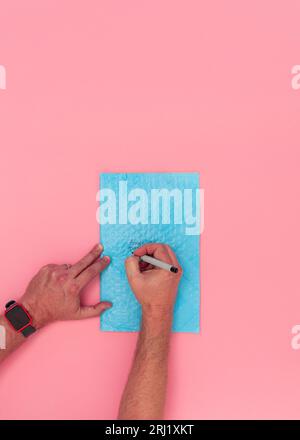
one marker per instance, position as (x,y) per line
(19,318)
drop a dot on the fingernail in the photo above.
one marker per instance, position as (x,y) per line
(108,305)
(99,247)
(106,258)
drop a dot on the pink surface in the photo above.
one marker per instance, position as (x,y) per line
(155,86)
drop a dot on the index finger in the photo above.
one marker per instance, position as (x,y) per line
(173,256)
(86,261)
(157,250)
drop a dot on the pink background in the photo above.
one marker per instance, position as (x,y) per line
(155,86)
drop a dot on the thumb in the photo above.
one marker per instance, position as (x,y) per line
(93,311)
(132,267)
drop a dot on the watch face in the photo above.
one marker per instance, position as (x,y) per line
(17,317)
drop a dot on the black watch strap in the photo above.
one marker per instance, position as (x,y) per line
(28,331)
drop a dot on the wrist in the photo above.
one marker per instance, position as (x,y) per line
(158,313)
(19,323)
(36,321)
(156,321)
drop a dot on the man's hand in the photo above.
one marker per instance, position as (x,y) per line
(154,288)
(54,293)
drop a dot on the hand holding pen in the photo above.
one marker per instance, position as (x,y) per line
(154,273)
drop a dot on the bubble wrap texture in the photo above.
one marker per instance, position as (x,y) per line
(120,240)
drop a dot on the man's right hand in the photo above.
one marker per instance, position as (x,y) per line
(153,287)
(156,290)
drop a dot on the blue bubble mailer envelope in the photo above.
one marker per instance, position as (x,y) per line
(136,208)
